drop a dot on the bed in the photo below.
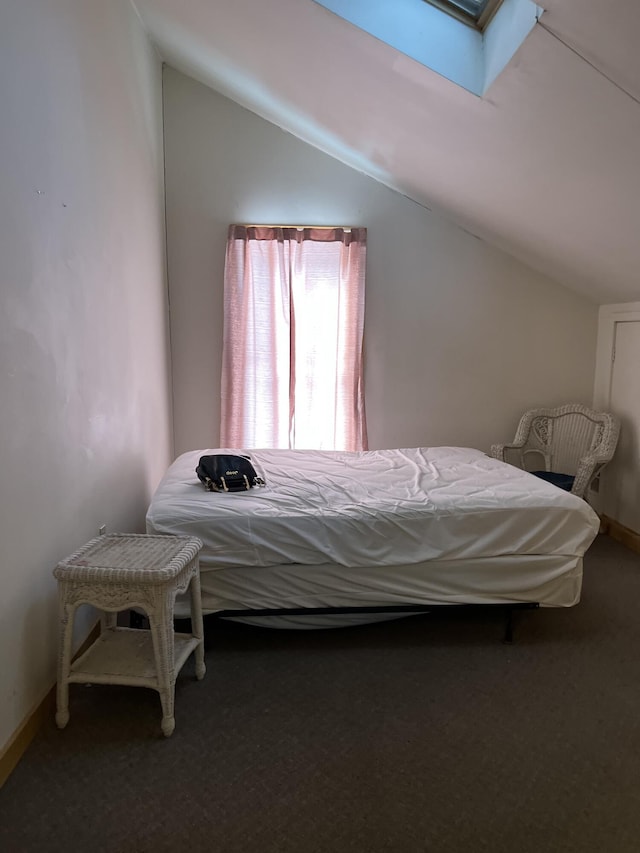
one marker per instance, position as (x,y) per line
(367,535)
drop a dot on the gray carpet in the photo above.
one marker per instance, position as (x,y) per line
(423,734)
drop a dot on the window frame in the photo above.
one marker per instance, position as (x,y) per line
(480,23)
(271,274)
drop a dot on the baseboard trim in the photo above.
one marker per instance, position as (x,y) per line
(622,534)
(25,733)
(31,725)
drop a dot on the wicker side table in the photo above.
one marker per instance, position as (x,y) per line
(117,572)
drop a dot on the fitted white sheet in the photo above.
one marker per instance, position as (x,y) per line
(415,525)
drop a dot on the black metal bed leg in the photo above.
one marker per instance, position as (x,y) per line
(508,628)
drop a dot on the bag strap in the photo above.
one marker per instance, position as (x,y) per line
(225,488)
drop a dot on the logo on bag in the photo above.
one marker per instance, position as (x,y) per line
(231,473)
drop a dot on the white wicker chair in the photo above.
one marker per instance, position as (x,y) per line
(574,442)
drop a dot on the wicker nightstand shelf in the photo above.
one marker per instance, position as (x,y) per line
(118,572)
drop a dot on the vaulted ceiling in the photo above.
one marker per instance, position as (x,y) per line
(545,166)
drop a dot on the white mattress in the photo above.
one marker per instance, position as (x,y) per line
(415,525)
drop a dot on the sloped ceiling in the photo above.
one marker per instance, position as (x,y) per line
(545,166)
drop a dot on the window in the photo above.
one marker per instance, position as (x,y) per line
(293,329)
(477,13)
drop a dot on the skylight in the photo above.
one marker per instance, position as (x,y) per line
(477,13)
(467,41)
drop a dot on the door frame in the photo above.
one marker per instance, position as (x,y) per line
(608,317)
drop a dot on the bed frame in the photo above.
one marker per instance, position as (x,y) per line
(509,610)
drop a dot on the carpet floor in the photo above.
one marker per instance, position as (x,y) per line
(421,734)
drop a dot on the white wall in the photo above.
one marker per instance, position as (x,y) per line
(84,387)
(459,337)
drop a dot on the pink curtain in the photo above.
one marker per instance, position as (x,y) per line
(293,329)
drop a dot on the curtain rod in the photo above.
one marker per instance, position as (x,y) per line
(301,227)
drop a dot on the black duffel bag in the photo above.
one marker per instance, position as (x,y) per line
(224,472)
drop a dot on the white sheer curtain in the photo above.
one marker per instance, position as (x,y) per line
(293,329)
